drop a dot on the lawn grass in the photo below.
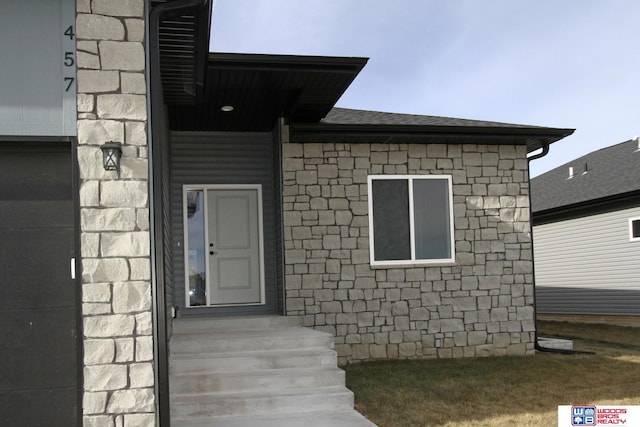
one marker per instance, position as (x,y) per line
(503,391)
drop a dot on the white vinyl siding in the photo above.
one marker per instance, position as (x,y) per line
(586,254)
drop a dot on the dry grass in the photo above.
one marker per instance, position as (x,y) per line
(505,391)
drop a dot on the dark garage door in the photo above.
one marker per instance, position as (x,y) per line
(39,379)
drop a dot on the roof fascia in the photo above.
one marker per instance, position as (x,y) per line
(587,208)
(550,135)
(251,61)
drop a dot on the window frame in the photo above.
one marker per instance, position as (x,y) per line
(413,262)
(632,238)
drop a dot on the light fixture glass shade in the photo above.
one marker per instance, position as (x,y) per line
(111,152)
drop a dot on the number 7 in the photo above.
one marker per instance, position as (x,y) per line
(70,80)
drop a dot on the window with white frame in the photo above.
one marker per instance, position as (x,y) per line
(410,220)
(634,229)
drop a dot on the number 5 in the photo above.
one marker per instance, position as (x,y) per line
(68,59)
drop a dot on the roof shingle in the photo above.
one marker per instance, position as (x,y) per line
(364,117)
(343,125)
(609,172)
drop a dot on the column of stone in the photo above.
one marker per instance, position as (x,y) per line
(114,205)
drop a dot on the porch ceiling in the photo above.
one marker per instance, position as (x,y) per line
(262,88)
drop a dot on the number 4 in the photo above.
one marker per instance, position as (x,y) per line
(69,32)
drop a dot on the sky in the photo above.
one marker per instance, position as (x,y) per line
(555,63)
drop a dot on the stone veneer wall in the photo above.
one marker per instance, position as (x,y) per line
(481,306)
(114,208)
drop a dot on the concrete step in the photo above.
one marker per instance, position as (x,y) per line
(189,325)
(329,399)
(257,381)
(196,363)
(306,419)
(252,371)
(219,341)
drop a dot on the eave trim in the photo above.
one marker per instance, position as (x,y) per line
(523,134)
(586,208)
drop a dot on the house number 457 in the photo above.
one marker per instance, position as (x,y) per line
(69,59)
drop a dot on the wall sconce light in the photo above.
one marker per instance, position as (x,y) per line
(111,153)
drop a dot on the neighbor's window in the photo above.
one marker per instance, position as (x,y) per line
(634,229)
(411,219)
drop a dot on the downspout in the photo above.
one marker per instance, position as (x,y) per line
(160,338)
(537,346)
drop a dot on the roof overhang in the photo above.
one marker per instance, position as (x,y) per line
(262,88)
(533,137)
(587,208)
(183,44)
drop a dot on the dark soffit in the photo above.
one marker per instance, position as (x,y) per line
(262,88)
(183,42)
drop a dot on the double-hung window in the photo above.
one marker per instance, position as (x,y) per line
(410,220)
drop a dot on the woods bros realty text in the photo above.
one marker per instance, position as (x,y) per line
(611,416)
(592,415)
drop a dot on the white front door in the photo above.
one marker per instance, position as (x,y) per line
(231,243)
(234,252)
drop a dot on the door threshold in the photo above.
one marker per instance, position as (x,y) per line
(226,311)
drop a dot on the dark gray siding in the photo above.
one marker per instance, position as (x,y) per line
(223,158)
(167,252)
(561,300)
(279,237)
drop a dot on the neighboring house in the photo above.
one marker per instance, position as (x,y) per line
(403,236)
(586,230)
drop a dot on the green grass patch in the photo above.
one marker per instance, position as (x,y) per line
(502,391)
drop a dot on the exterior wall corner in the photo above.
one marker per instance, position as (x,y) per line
(114,210)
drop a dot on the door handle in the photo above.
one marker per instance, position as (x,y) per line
(212,252)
